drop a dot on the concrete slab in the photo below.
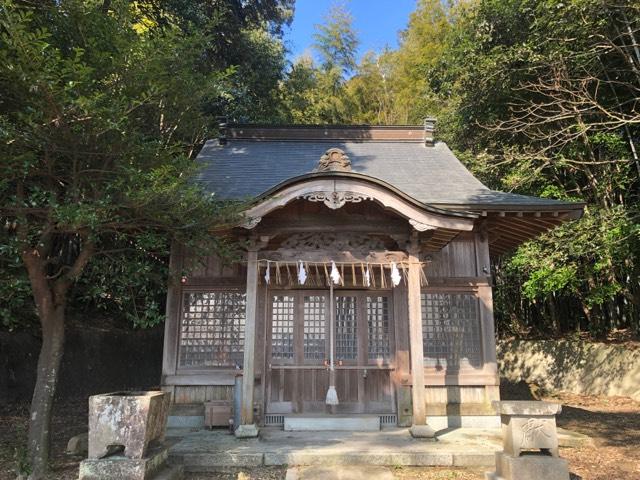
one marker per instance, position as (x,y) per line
(359,423)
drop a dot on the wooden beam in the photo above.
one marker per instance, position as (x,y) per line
(377,229)
(532,226)
(517,226)
(226,378)
(505,230)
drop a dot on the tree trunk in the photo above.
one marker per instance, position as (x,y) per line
(51,300)
(49,361)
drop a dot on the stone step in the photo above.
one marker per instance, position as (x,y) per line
(211,462)
(348,423)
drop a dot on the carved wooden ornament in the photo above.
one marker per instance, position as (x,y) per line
(335,200)
(334,160)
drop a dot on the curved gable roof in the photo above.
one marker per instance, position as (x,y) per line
(247,168)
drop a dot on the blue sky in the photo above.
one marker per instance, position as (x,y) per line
(377,22)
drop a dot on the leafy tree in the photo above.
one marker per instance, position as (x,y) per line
(542,99)
(336,42)
(97,120)
(316,94)
(421,47)
(369,93)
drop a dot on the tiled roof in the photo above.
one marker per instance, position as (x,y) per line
(246,168)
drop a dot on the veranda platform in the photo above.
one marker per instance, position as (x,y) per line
(211,450)
(204,450)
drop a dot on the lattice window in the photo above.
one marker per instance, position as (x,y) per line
(378,326)
(346,338)
(314,327)
(283,308)
(450,329)
(212,329)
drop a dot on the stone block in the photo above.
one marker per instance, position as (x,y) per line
(129,419)
(118,467)
(360,423)
(78,445)
(531,467)
(247,431)
(422,431)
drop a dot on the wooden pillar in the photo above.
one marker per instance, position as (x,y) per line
(247,427)
(485,296)
(402,374)
(419,428)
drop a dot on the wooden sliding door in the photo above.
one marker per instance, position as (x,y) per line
(298,353)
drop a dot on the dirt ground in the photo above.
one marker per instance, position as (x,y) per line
(612,422)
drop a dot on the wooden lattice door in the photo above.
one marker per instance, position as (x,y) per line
(298,345)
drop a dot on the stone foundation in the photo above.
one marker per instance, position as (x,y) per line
(118,467)
(529,467)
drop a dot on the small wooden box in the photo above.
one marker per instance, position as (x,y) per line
(217,413)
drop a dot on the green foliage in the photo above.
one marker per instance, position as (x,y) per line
(537,97)
(129,284)
(16,308)
(336,42)
(101,112)
(543,96)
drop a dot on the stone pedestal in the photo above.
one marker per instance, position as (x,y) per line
(133,424)
(120,466)
(529,467)
(129,419)
(423,431)
(529,441)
